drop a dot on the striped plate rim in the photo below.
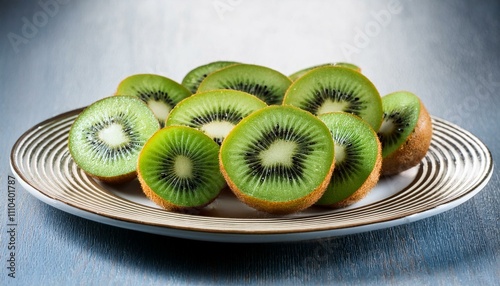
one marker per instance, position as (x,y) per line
(457,166)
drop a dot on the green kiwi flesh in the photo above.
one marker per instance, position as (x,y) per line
(106,137)
(302,72)
(178,168)
(401,111)
(195,76)
(267,84)
(357,159)
(160,93)
(214,112)
(330,89)
(278,159)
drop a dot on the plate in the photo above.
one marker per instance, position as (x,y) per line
(457,166)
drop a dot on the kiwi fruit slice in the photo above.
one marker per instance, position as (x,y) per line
(405,133)
(214,112)
(302,72)
(178,169)
(358,159)
(331,88)
(160,93)
(278,159)
(195,76)
(263,82)
(106,137)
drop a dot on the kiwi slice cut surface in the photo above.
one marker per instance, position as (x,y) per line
(194,77)
(178,169)
(263,82)
(405,132)
(214,112)
(401,110)
(278,159)
(160,93)
(358,159)
(302,72)
(329,89)
(106,138)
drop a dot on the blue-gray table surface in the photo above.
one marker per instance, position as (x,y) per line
(58,55)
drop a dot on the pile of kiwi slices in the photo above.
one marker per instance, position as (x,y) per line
(322,136)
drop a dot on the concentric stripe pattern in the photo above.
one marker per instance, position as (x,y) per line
(456,167)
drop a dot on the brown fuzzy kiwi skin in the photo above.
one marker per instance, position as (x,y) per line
(150,194)
(367,186)
(282,207)
(410,153)
(116,179)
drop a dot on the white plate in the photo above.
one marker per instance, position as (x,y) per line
(457,167)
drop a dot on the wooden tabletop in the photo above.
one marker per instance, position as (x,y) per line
(57,56)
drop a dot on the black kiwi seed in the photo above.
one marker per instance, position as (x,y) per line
(405,132)
(195,76)
(178,168)
(357,159)
(312,104)
(264,92)
(278,159)
(401,121)
(265,83)
(334,88)
(106,138)
(147,94)
(160,93)
(349,166)
(105,152)
(214,112)
(230,115)
(168,175)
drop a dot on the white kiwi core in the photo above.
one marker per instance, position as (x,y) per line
(159,108)
(280,152)
(113,135)
(183,167)
(332,106)
(387,127)
(339,153)
(217,129)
